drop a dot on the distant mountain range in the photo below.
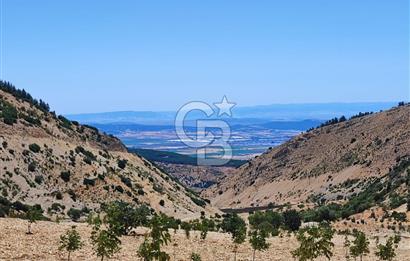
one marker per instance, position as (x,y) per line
(241,115)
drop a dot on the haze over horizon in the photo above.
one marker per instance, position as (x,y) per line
(101,56)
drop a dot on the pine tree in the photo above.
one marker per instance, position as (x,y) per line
(70,241)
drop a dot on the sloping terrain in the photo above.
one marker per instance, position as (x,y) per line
(331,163)
(59,164)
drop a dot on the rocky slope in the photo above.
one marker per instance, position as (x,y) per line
(59,164)
(195,177)
(332,163)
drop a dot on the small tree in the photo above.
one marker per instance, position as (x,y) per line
(105,241)
(258,242)
(387,251)
(204,228)
(187,228)
(235,225)
(360,245)
(122,217)
(346,245)
(33,214)
(150,249)
(70,241)
(314,242)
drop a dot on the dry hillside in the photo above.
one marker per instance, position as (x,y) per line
(59,164)
(332,163)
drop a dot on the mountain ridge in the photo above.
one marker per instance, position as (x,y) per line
(320,163)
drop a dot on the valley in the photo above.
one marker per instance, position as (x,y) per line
(344,179)
(204,130)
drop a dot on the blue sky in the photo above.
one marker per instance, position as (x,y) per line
(94,56)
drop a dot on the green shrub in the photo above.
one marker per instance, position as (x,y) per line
(126,181)
(32,166)
(198,201)
(89,182)
(292,220)
(8,112)
(56,207)
(401,217)
(34,148)
(195,257)
(122,163)
(74,214)
(268,221)
(38,179)
(65,175)
(119,189)
(5,205)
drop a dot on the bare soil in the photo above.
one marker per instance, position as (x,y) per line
(15,244)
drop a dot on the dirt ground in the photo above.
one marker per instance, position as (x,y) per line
(43,245)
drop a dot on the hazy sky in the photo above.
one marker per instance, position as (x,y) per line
(94,56)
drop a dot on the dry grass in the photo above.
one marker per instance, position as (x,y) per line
(43,245)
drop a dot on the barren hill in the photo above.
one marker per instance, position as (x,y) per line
(332,163)
(48,160)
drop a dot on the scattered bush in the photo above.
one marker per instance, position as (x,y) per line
(126,181)
(122,163)
(89,182)
(74,214)
(32,167)
(195,257)
(38,179)
(292,220)
(162,203)
(65,175)
(34,148)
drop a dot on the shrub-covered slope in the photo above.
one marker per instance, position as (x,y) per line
(343,162)
(48,160)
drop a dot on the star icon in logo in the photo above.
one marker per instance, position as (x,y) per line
(225,107)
